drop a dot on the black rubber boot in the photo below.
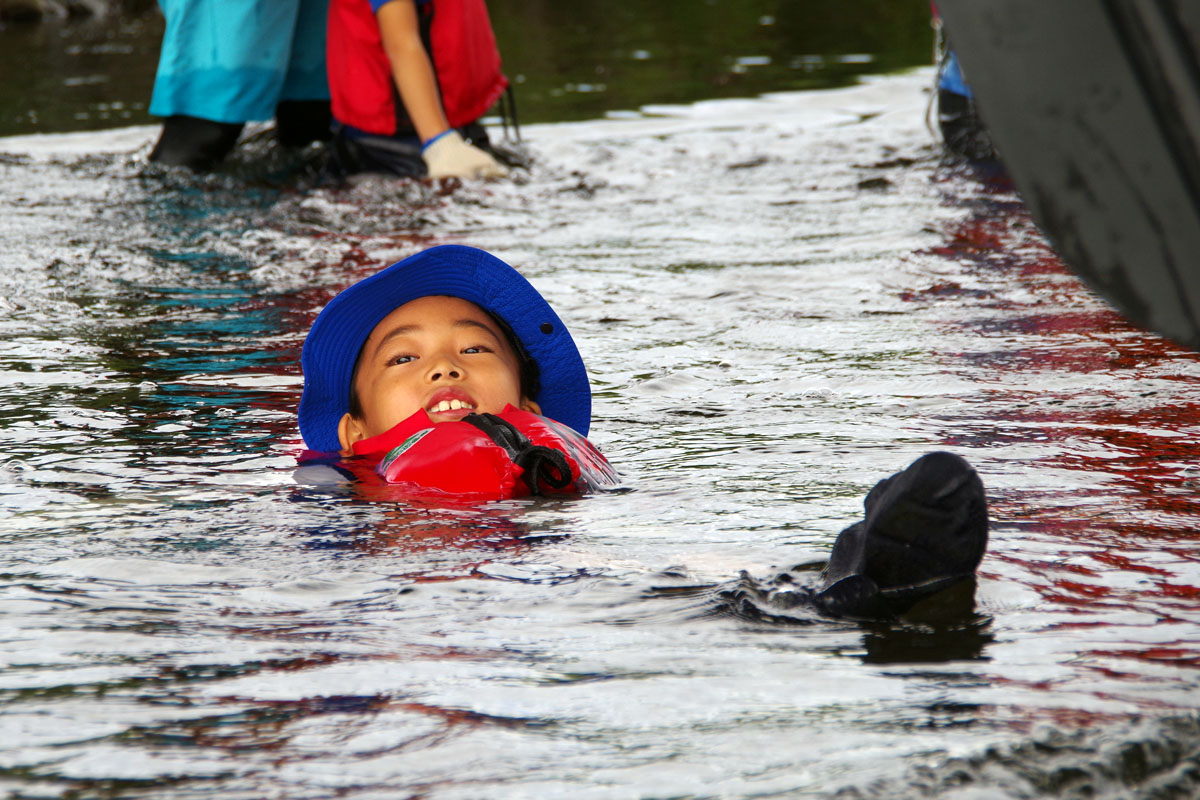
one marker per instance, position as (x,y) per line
(300,122)
(925,530)
(195,143)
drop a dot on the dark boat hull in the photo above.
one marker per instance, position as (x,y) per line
(1094,107)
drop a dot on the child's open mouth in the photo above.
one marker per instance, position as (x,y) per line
(450,405)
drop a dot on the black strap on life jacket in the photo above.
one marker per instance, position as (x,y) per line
(540,464)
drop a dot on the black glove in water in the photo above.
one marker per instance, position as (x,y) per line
(925,529)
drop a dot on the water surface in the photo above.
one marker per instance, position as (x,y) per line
(780,301)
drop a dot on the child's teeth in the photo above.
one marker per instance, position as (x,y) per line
(450,405)
(455,404)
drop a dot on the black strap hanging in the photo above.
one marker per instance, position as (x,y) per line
(541,464)
(508,111)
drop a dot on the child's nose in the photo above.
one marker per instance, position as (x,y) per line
(444,367)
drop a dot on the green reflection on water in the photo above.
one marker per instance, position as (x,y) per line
(567,60)
(577,61)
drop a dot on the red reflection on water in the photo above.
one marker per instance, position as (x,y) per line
(397,524)
(1175,656)
(1121,447)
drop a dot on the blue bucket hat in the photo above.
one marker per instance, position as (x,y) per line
(332,346)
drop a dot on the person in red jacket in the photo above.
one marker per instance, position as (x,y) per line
(448,376)
(410,80)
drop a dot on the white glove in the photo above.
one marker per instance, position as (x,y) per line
(451,157)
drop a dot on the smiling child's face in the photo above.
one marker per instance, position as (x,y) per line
(441,354)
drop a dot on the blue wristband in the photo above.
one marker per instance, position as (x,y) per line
(425,145)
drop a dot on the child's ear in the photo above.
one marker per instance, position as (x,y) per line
(350,430)
(530,406)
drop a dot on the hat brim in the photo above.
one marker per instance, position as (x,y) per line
(337,336)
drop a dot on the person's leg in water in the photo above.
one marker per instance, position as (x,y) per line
(301,122)
(303,113)
(398,155)
(193,142)
(925,530)
(223,66)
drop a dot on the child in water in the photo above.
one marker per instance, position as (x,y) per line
(447,374)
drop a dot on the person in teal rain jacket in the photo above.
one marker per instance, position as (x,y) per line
(225,63)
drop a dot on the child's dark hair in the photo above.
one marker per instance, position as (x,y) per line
(527,368)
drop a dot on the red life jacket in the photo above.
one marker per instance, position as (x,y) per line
(485,457)
(458,36)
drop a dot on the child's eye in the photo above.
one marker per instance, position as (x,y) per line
(477,349)
(403,359)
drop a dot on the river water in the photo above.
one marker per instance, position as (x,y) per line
(780,301)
